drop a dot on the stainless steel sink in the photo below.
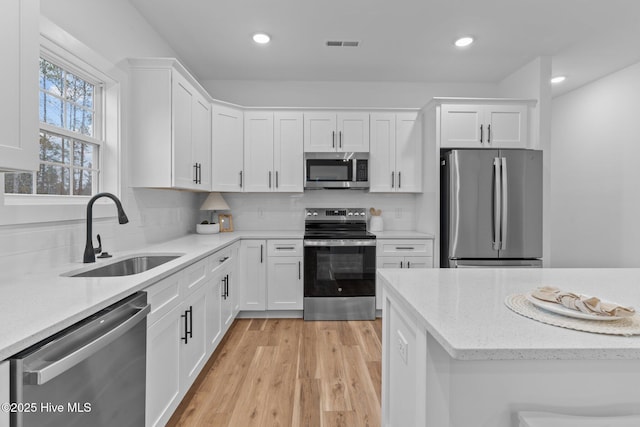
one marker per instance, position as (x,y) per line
(134,264)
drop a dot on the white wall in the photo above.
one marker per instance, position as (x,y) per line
(595,173)
(340,94)
(114,30)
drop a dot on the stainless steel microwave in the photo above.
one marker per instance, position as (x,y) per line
(336,170)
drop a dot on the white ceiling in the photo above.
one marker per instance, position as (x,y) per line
(400,40)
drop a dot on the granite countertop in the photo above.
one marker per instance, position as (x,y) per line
(35,306)
(464,310)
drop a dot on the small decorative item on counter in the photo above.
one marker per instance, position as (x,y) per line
(226,222)
(585,304)
(375,221)
(214,202)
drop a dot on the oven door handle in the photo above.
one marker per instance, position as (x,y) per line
(339,242)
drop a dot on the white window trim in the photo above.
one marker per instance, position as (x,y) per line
(35,208)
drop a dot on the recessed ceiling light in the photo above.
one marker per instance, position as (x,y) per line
(261,38)
(558,79)
(464,41)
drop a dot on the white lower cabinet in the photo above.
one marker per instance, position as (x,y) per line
(253,275)
(402,253)
(4,392)
(193,348)
(189,316)
(163,368)
(284,290)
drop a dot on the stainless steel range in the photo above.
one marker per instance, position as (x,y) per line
(339,265)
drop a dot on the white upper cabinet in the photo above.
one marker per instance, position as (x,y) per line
(273,159)
(171,127)
(396,153)
(484,125)
(330,132)
(19,49)
(227,149)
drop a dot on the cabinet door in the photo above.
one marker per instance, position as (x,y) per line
(288,162)
(460,126)
(252,284)
(183,167)
(320,132)
(19,49)
(418,262)
(382,158)
(193,352)
(163,368)
(227,149)
(408,153)
(506,126)
(353,132)
(285,289)
(229,289)
(214,312)
(258,153)
(201,139)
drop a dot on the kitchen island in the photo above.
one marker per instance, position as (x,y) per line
(454,355)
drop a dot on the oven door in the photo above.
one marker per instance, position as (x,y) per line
(339,268)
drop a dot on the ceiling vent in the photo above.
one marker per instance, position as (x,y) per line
(340,43)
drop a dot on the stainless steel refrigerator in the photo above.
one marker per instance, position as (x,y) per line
(491,208)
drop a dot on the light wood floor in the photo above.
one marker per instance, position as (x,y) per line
(288,372)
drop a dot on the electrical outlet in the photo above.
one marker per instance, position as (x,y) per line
(398,213)
(403,347)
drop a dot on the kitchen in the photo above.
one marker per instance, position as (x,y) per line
(571,125)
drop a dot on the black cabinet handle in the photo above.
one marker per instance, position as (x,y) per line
(227,286)
(269,179)
(393,179)
(240,179)
(333,139)
(221,260)
(185,338)
(261,257)
(224,288)
(299,270)
(400,264)
(340,139)
(195,172)
(276,179)
(489,133)
(190,321)
(399,179)
(408,264)
(481,133)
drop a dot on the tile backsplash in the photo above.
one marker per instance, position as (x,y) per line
(285,211)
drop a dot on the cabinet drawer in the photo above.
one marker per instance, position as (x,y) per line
(284,247)
(194,276)
(404,247)
(221,258)
(163,296)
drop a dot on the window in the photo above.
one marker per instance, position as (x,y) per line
(70,135)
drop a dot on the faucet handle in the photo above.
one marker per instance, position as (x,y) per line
(99,248)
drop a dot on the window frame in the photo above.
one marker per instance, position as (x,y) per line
(66,51)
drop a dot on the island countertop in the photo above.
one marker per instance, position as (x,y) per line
(464,310)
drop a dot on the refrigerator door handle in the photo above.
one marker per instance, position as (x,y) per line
(497,202)
(505,203)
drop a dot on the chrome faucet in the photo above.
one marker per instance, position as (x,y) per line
(89,252)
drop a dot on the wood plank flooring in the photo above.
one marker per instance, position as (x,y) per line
(288,372)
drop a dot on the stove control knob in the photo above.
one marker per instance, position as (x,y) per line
(351,214)
(308,213)
(315,214)
(357,213)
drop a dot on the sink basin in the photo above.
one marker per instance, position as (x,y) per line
(134,264)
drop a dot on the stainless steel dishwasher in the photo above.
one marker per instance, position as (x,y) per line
(90,374)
